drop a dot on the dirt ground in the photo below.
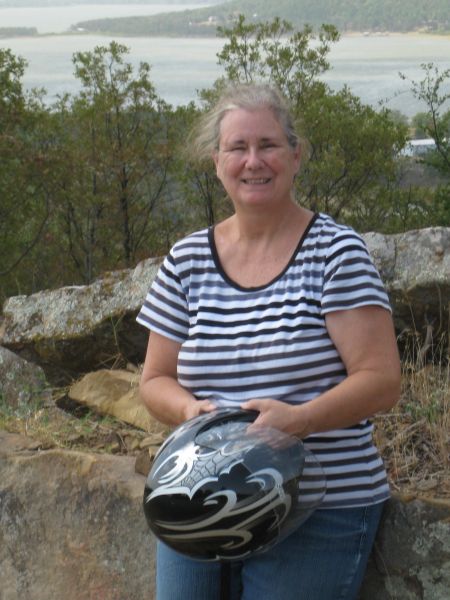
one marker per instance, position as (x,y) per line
(409,447)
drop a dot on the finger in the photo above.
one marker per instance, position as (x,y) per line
(253,405)
(206,406)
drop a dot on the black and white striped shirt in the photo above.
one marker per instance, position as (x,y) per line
(271,341)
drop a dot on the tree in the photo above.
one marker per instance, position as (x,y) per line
(434,91)
(12,99)
(396,116)
(197,183)
(115,157)
(351,146)
(420,124)
(24,206)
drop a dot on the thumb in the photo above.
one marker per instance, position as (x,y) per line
(252,405)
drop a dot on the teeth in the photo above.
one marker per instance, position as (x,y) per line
(256,181)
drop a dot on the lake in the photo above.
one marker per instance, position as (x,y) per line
(369,65)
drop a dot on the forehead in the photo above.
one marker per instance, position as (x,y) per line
(243,123)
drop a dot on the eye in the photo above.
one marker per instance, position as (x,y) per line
(268,145)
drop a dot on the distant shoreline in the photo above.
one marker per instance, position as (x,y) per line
(413,33)
(348,34)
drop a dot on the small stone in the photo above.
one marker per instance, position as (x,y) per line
(143,462)
(152,440)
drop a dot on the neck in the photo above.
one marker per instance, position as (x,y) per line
(264,227)
(253,251)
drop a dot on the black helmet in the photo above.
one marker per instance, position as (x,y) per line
(217,491)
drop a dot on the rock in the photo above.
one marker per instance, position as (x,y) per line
(412,553)
(72,526)
(115,393)
(144,461)
(149,448)
(22,384)
(79,329)
(415,267)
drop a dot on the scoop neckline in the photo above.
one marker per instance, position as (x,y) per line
(231,282)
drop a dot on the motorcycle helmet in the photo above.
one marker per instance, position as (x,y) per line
(219,491)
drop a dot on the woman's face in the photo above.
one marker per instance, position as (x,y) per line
(255,162)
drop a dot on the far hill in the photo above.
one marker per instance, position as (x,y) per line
(346,15)
(7,32)
(43,3)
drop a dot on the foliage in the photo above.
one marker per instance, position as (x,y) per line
(90,173)
(351,146)
(197,184)
(115,147)
(103,177)
(434,91)
(397,117)
(420,125)
(346,15)
(24,207)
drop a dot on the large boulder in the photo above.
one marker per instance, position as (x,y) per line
(72,527)
(79,329)
(411,560)
(22,384)
(113,392)
(415,267)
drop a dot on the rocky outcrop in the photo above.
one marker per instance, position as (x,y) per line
(79,329)
(415,267)
(22,384)
(113,392)
(72,527)
(71,523)
(411,560)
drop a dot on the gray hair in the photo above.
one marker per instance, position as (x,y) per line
(204,139)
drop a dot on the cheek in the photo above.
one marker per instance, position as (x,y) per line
(224,170)
(219,171)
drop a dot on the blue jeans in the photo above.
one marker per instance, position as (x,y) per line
(324,559)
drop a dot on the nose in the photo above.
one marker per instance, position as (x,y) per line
(253,158)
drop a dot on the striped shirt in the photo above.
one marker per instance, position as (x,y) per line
(271,341)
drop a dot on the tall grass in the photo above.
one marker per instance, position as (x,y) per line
(414,437)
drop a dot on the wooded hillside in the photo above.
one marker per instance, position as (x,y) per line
(346,15)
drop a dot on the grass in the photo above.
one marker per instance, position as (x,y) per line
(413,438)
(79,429)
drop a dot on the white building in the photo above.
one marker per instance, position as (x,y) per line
(418,147)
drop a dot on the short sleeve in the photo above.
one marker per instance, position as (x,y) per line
(351,279)
(165,307)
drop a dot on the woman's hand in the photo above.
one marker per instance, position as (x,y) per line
(279,415)
(365,340)
(195,408)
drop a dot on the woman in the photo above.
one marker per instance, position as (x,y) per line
(278,310)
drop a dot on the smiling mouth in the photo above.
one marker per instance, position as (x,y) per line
(259,181)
